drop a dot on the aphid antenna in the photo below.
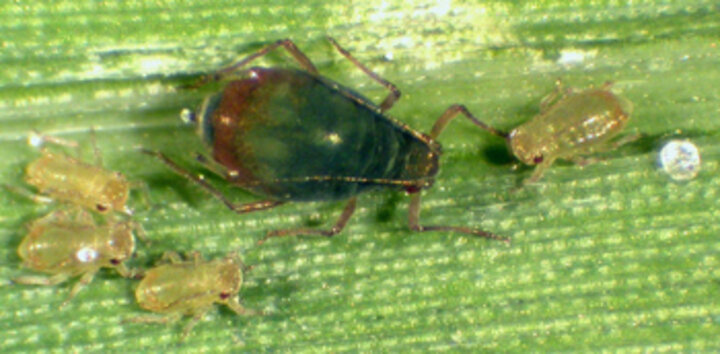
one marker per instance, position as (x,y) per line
(37,139)
(96,151)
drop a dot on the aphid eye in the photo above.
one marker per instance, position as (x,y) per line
(224,296)
(412,189)
(115,261)
(101,207)
(538,159)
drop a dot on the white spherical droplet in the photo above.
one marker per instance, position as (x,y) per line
(680,159)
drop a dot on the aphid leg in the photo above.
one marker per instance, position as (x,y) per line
(584,161)
(28,194)
(171,318)
(547,101)
(452,112)
(414,223)
(85,279)
(538,171)
(288,44)
(144,191)
(624,140)
(195,257)
(238,208)
(138,231)
(339,225)
(235,306)
(608,146)
(192,322)
(125,272)
(212,165)
(394,94)
(171,257)
(41,279)
(96,152)
(237,259)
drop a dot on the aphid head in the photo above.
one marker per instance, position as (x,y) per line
(121,244)
(525,146)
(114,195)
(229,278)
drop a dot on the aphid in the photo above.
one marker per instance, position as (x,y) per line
(568,127)
(294,135)
(190,288)
(69,243)
(57,176)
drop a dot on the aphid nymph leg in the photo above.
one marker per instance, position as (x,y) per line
(126,272)
(171,318)
(238,208)
(192,322)
(41,280)
(608,146)
(235,306)
(85,279)
(171,257)
(394,94)
(144,190)
(620,142)
(538,171)
(38,198)
(584,161)
(547,101)
(96,151)
(339,225)
(195,257)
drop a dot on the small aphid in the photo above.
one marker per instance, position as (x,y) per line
(569,127)
(190,288)
(70,243)
(680,159)
(63,178)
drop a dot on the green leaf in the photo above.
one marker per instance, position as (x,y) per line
(612,256)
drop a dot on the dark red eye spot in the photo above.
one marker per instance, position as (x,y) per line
(114,261)
(538,159)
(224,296)
(101,208)
(412,189)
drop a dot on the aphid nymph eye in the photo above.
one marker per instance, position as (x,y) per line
(538,159)
(101,207)
(115,261)
(224,296)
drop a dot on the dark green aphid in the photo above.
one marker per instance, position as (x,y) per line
(294,135)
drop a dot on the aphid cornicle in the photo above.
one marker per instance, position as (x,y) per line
(190,288)
(67,179)
(294,135)
(569,127)
(69,243)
